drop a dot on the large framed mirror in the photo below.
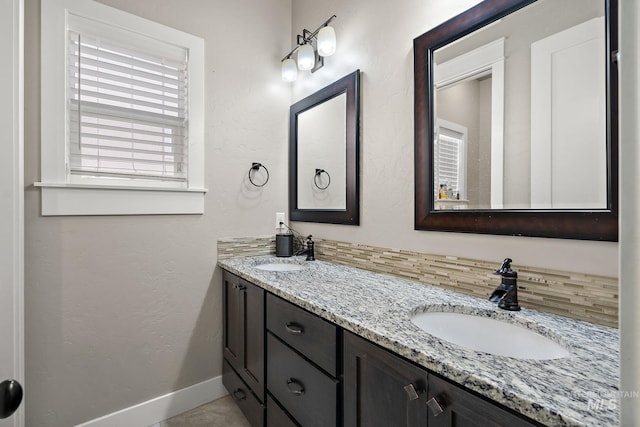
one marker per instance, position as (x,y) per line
(323,154)
(516,120)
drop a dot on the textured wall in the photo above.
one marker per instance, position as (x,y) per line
(379,41)
(123,309)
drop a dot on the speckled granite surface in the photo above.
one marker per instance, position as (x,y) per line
(580,390)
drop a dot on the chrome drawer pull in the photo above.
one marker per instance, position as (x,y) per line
(435,406)
(294,328)
(238,394)
(295,387)
(412,394)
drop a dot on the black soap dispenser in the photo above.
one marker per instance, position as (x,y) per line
(284,241)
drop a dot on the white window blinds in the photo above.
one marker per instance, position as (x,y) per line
(448,158)
(127,106)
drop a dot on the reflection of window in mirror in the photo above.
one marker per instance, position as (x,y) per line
(450,162)
(470,92)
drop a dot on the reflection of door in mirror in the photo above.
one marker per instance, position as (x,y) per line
(568,128)
(322,145)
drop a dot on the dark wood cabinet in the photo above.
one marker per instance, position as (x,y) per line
(302,368)
(285,366)
(453,406)
(380,389)
(305,332)
(244,346)
(246,400)
(277,416)
(307,393)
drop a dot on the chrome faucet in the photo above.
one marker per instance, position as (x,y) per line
(506,294)
(309,251)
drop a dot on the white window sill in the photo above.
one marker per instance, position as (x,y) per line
(73,199)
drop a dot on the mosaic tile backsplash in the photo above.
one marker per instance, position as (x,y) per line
(579,296)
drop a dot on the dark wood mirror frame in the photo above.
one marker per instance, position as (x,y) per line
(567,224)
(350,85)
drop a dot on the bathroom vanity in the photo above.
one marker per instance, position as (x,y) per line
(320,344)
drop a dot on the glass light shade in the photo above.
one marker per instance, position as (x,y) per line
(289,70)
(306,57)
(326,41)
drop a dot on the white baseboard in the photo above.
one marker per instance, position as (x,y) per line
(160,408)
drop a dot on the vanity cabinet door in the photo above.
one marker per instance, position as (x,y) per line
(452,406)
(381,389)
(244,329)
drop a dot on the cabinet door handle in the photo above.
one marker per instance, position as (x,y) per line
(412,394)
(295,387)
(294,328)
(239,394)
(436,407)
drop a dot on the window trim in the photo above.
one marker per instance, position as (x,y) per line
(122,196)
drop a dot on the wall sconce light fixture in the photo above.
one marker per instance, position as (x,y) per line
(312,47)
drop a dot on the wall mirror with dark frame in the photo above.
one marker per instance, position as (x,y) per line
(323,154)
(516,120)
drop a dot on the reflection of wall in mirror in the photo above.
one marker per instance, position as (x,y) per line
(468,104)
(322,145)
(552,16)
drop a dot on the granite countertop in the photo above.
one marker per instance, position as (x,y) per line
(579,390)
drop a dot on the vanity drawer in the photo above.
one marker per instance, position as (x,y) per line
(306,332)
(308,394)
(276,416)
(242,395)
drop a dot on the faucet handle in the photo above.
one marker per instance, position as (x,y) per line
(505,269)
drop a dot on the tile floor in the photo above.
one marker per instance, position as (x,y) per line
(219,413)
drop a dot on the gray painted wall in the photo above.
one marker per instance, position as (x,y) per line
(120,310)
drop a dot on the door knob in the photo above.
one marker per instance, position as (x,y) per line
(10,397)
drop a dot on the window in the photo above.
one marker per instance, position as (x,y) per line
(122,113)
(450,158)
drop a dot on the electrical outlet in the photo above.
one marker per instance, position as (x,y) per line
(280,218)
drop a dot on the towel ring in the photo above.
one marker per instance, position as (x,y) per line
(256,167)
(315,178)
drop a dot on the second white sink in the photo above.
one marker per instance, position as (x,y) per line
(489,335)
(280,266)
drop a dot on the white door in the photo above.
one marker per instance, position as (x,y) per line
(568,127)
(11,213)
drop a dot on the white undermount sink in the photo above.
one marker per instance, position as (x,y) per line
(489,335)
(280,266)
